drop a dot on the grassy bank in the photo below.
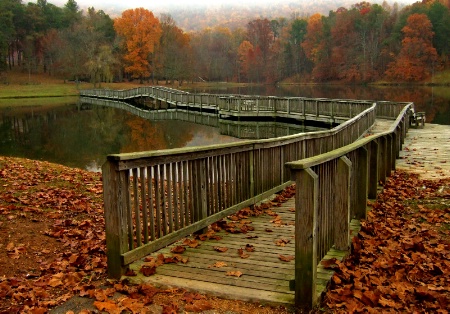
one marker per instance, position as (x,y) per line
(16,84)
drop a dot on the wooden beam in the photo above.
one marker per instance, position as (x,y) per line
(306,212)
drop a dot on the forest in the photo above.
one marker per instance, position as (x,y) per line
(359,44)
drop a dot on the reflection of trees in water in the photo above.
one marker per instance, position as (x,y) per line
(154,135)
(83,138)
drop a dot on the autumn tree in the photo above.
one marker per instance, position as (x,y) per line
(174,52)
(260,35)
(245,52)
(317,46)
(140,31)
(215,53)
(417,56)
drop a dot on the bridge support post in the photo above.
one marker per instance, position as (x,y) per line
(342,203)
(382,161)
(117,208)
(361,180)
(306,213)
(390,154)
(373,170)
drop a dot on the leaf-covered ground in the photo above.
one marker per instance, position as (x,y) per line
(52,247)
(400,261)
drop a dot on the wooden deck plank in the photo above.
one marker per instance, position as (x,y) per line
(265,278)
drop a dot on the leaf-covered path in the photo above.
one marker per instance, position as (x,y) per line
(400,261)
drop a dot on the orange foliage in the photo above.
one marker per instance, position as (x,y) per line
(244,51)
(313,43)
(417,55)
(141,32)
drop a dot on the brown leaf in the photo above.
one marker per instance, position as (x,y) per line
(282,242)
(242,253)
(249,248)
(178,249)
(286,258)
(192,243)
(148,271)
(218,265)
(170,309)
(198,306)
(109,306)
(234,273)
(220,249)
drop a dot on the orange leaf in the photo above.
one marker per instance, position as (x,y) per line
(286,258)
(234,273)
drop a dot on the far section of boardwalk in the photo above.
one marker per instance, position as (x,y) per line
(427,152)
(243,265)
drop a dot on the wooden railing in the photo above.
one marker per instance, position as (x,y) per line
(154,198)
(331,189)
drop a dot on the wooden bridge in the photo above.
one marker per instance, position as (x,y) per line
(153,199)
(165,102)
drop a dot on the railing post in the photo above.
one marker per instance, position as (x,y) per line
(342,209)
(382,161)
(390,155)
(373,170)
(306,213)
(203,191)
(251,158)
(361,179)
(115,191)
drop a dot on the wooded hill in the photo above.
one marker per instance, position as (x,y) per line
(360,43)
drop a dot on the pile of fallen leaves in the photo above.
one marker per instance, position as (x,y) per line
(400,261)
(51,234)
(52,248)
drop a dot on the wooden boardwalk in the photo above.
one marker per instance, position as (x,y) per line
(264,278)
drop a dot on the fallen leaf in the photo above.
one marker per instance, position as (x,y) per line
(218,265)
(286,258)
(234,273)
(178,249)
(148,271)
(220,249)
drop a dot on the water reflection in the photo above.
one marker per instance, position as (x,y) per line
(67,135)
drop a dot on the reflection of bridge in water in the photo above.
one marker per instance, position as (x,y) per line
(240,128)
(155,198)
(241,116)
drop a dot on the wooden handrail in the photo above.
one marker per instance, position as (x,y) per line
(333,188)
(172,193)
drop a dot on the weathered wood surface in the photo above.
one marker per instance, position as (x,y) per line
(334,187)
(427,152)
(265,278)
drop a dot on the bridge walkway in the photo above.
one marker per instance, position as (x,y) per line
(253,262)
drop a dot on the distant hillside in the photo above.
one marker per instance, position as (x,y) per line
(198,18)
(195,18)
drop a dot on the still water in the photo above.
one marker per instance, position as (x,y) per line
(64,133)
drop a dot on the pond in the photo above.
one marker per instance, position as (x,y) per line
(64,133)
